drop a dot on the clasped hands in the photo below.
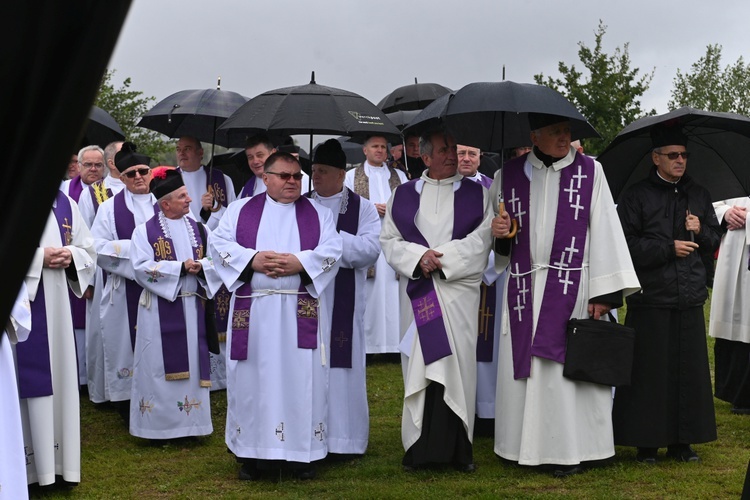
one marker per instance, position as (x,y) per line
(274,264)
(429,262)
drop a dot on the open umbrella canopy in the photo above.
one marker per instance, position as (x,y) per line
(308,109)
(431,117)
(197,113)
(402,118)
(412,97)
(101,129)
(719,146)
(494,115)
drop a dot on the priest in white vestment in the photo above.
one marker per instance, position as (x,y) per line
(112,229)
(542,417)
(171,367)
(358,223)
(436,234)
(277,252)
(375,181)
(729,322)
(12,455)
(48,375)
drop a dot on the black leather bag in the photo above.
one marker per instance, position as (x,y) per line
(599,351)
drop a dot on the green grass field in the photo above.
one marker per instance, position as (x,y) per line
(117,465)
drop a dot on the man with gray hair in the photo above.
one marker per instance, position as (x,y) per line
(100,191)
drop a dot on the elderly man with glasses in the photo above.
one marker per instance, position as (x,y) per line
(670,226)
(278,252)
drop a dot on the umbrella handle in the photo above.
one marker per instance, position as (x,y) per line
(216,206)
(513,222)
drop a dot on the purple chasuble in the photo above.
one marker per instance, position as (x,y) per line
(249,187)
(566,261)
(33,356)
(468,212)
(124,227)
(172,314)
(248,223)
(342,324)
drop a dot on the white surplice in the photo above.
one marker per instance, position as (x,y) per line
(463,263)
(547,418)
(730,314)
(381,326)
(92,345)
(277,397)
(52,430)
(348,415)
(162,409)
(112,381)
(12,455)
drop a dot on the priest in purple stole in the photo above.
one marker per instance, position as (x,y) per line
(171,366)
(113,227)
(358,223)
(47,370)
(278,252)
(436,235)
(568,260)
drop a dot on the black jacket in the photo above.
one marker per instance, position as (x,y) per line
(653,213)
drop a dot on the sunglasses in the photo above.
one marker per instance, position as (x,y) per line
(142,171)
(675,154)
(285,176)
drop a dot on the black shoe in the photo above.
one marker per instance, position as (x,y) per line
(740,411)
(646,455)
(467,468)
(304,473)
(567,470)
(248,472)
(683,453)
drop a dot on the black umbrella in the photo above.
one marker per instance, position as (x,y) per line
(719,146)
(101,129)
(196,113)
(493,116)
(402,118)
(308,109)
(411,97)
(431,117)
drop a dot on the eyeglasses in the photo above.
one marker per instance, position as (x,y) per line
(675,154)
(93,165)
(285,176)
(142,171)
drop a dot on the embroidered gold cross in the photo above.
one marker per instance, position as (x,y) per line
(426,309)
(341,339)
(307,308)
(484,315)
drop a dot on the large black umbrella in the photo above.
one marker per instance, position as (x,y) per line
(431,117)
(196,113)
(308,109)
(494,115)
(402,118)
(411,97)
(101,129)
(719,145)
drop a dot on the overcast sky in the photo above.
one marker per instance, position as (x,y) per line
(373,47)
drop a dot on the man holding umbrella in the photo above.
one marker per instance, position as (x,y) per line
(669,224)
(568,260)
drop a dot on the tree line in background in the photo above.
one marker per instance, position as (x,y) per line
(608,94)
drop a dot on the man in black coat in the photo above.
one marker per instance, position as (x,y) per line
(670,225)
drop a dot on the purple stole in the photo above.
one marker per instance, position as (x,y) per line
(561,288)
(487,305)
(75,188)
(249,187)
(468,212)
(216,181)
(248,223)
(34,371)
(77,304)
(342,324)
(124,227)
(172,314)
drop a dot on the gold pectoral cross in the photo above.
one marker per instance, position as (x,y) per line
(68,232)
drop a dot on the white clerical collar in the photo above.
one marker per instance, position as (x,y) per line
(665,180)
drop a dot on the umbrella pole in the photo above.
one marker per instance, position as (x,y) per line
(501,195)
(309,181)
(216,206)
